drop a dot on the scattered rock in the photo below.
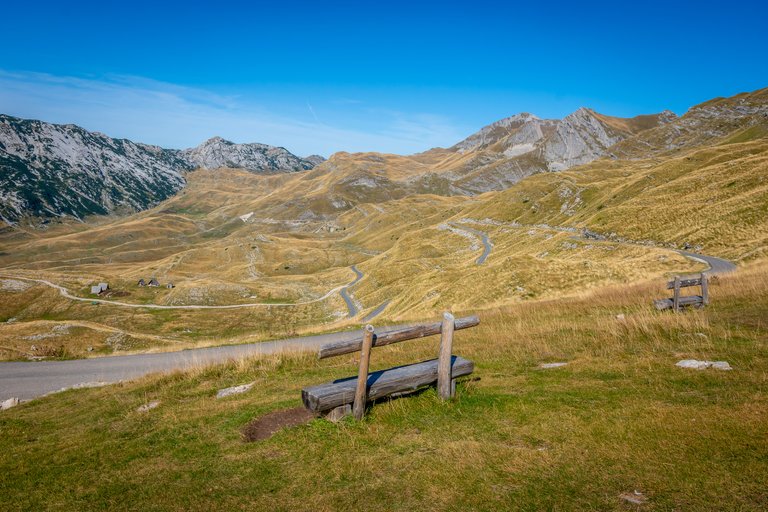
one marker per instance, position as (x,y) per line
(117,340)
(14,285)
(90,384)
(620,317)
(89,349)
(11,402)
(551,365)
(149,406)
(703,365)
(269,424)
(635,497)
(234,390)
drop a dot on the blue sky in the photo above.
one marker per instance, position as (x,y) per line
(320,77)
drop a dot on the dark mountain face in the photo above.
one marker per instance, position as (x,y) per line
(52,170)
(49,170)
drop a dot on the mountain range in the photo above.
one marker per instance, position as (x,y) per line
(49,170)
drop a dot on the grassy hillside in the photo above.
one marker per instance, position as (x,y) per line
(619,418)
(715,198)
(419,253)
(233,237)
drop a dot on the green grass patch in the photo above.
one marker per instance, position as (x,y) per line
(619,417)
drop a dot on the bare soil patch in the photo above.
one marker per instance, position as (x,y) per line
(269,424)
(117,293)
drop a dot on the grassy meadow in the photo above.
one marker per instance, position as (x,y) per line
(619,418)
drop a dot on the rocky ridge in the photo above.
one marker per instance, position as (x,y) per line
(508,150)
(217,152)
(50,170)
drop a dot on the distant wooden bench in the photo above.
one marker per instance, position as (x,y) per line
(679,301)
(344,396)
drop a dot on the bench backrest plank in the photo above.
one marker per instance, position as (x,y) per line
(407,333)
(685,283)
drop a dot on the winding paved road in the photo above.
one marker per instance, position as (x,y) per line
(487,245)
(716,265)
(351,306)
(376,312)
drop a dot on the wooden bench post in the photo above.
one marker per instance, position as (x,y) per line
(444,387)
(704,289)
(358,409)
(676,297)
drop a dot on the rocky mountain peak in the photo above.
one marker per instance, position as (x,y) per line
(52,170)
(216,140)
(255,157)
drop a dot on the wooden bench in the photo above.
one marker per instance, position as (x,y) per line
(677,301)
(344,396)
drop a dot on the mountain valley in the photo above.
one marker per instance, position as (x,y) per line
(424,238)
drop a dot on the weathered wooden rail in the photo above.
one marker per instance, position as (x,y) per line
(344,396)
(678,301)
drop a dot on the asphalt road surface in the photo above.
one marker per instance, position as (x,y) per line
(351,306)
(716,265)
(27,380)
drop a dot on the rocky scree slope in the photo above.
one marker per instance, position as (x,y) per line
(217,152)
(50,170)
(740,118)
(513,148)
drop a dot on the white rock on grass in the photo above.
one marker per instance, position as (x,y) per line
(695,364)
(635,497)
(7,404)
(235,390)
(83,385)
(551,365)
(149,406)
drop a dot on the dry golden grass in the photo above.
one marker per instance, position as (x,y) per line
(714,197)
(308,229)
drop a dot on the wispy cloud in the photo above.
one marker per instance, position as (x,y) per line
(314,116)
(177,116)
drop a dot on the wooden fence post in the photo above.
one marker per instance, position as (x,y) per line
(704,289)
(444,362)
(358,409)
(676,298)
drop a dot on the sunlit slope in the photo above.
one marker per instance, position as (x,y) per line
(232,237)
(715,198)
(435,268)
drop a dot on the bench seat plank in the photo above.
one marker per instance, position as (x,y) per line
(688,300)
(330,395)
